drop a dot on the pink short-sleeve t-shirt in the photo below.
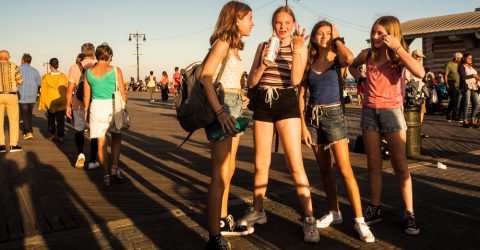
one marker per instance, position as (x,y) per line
(384,86)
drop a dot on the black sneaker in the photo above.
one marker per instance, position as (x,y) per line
(15,148)
(229,227)
(217,243)
(373,214)
(3,149)
(409,225)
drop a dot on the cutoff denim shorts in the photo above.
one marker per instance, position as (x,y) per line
(326,124)
(383,119)
(232,105)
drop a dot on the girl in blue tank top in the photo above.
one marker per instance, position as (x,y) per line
(323,123)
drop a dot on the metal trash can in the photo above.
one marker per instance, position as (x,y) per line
(414,130)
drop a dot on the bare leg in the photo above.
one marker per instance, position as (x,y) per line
(324,162)
(289,131)
(263,134)
(371,140)
(102,154)
(220,154)
(233,154)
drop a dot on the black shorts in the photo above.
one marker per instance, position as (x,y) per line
(282,105)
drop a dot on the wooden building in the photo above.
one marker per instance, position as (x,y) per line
(442,36)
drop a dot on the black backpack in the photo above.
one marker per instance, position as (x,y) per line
(193,109)
(79,91)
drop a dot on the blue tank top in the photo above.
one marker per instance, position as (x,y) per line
(324,87)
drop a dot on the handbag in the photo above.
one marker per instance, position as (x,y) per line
(120,113)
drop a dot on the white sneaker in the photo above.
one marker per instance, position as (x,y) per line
(310,231)
(253,217)
(364,232)
(332,218)
(80,161)
(93,165)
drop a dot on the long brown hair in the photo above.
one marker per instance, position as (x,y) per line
(393,28)
(279,10)
(226,28)
(313,47)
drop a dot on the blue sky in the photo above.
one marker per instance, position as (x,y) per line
(177,32)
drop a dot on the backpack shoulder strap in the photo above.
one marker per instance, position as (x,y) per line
(185,140)
(369,54)
(224,63)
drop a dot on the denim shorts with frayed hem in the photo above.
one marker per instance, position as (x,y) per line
(232,105)
(383,119)
(326,124)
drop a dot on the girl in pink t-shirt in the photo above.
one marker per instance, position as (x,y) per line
(382,112)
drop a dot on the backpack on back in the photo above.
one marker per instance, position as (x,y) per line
(79,91)
(193,109)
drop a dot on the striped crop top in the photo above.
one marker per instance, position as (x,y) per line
(279,74)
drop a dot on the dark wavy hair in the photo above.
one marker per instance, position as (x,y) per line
(104,52)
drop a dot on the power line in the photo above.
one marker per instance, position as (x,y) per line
(340,21)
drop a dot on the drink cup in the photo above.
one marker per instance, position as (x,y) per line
(272,52)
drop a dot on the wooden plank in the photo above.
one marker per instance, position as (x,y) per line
(10,200)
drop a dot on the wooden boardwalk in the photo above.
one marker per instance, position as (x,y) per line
(41,192)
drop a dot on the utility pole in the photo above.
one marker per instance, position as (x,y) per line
(47,64)
(137,37)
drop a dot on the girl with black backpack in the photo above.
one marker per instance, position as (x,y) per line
(234,22)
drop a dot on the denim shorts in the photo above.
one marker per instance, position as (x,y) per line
(326,124)
(383,119)
(232,105)
(272,105)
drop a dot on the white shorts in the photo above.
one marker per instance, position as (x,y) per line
(101,118)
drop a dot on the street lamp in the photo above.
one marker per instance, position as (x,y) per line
(46,64)
(137,37)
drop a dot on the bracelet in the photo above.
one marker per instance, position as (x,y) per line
(396,49)
(218,112)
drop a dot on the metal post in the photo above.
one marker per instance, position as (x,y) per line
(46,64)
(137,36)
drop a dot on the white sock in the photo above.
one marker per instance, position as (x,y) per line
(359,220)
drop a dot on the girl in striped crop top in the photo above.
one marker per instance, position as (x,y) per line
(276,106)
(382,112)
(234,22)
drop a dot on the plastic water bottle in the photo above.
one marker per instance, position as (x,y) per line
(216,132)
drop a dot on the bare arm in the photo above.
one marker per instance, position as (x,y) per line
(345,56)
(121,86)
(306,137)
(414,66)
(87,93)
(217,54)
(357,62)
(258,67)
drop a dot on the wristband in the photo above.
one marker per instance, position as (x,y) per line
(341,39)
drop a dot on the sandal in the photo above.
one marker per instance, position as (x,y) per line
(117,173)
(106,180)
(52,138)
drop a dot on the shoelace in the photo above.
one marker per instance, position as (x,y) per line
(230,222)
(222,243)
(270,96)
(310,227)
(364,229)
(371,211)
(410,218)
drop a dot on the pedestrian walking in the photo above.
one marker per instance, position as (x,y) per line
(469,80)
(101,82)
(382,113)
(234,22)
(75,108)
(10,78)
(27,94)
(452,82)
(164,83)
(151,81)
(276,106)
(53,100)
(323,121)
